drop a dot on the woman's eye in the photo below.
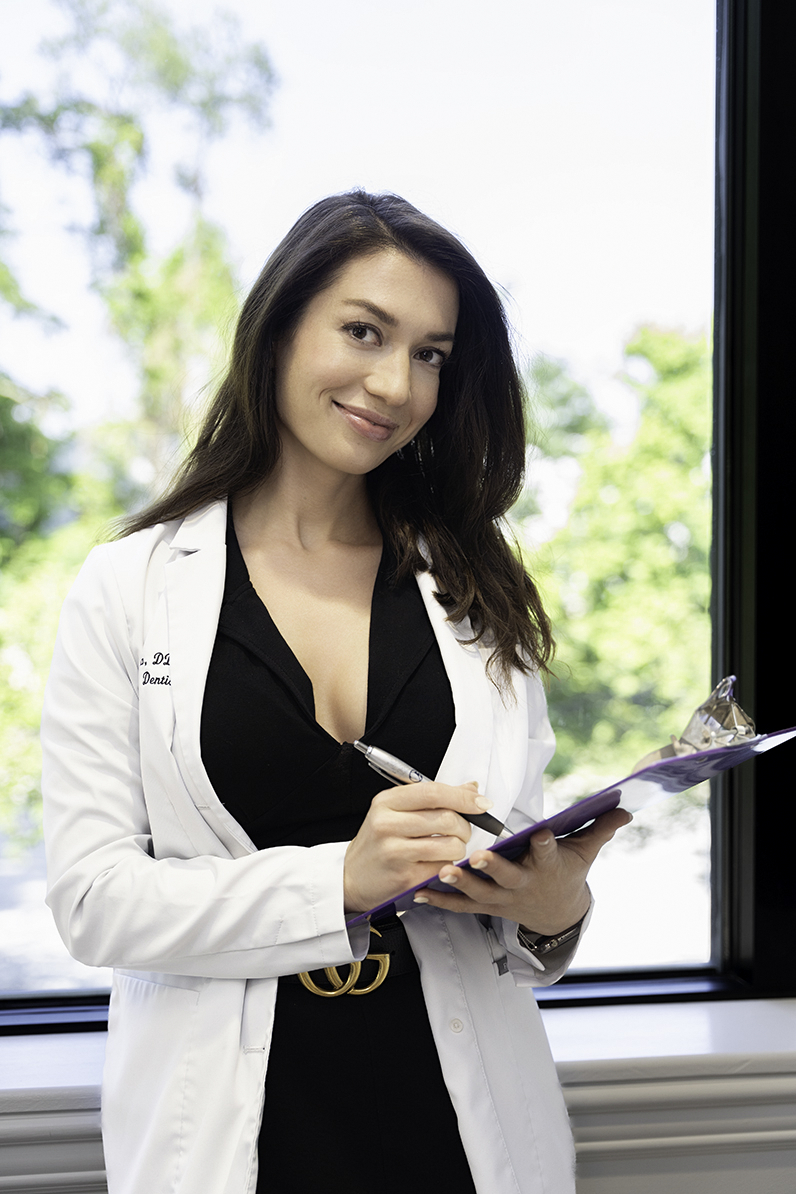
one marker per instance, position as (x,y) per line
(363,332)
(432,356)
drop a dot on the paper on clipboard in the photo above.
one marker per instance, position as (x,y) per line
(655,782)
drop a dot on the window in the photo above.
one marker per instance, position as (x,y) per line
(755,428)
(753,894)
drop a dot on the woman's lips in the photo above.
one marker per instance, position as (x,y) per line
(367,423)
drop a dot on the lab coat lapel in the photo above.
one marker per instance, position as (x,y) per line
(194,591)
(468,754)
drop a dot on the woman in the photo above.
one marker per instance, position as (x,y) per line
(328,566)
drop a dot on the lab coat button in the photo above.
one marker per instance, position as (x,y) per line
(456,1026)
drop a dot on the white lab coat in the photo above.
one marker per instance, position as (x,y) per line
(150,874)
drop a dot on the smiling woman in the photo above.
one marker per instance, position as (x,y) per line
(329,565)
(348,395)
(341,382)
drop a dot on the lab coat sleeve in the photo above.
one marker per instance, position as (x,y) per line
(272,912)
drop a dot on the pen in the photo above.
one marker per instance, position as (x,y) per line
(391,768)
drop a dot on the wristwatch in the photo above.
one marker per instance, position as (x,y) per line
(540,945)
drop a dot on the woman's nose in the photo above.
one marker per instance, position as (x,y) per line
(390,379)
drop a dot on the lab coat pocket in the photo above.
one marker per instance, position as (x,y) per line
(149,1066)
(186,982)
(257,1020)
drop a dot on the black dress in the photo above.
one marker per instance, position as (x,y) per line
(355,1093)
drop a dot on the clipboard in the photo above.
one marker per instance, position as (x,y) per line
(653,783)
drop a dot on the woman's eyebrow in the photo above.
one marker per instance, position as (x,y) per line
(391,321)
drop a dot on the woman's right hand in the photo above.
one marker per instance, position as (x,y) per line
(409,833)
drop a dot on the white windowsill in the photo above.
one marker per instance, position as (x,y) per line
(673,1040)
(590,1044)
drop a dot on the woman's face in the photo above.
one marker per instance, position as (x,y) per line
(359,376)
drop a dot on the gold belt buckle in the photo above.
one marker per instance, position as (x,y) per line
(339,987)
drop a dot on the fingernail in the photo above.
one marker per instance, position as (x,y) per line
(479,866)
(420,900)
(484,802)
(544,841)
(449,878)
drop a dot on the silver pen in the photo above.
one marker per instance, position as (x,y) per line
(391,768)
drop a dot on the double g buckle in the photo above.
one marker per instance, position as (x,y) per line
(348,988)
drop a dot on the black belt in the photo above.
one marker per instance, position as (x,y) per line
(390,955)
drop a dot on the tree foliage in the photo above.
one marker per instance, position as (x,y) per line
(124,70)
(627,580)
(173,316)
(32,589)
(561,414)
(34,480)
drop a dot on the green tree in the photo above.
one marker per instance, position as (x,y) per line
(32,589)
(561,415)
(173,317)
(33,478)
(627,581)
(124,70)
(145,70)
(34,481)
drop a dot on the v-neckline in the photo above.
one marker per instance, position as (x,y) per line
(279,655)
(245,617)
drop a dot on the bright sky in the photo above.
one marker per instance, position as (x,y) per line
(570,145)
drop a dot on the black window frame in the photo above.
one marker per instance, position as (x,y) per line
(755,433)
(753,815)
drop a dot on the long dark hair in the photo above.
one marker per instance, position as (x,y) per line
(441,499)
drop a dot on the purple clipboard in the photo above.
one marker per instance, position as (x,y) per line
(653,783)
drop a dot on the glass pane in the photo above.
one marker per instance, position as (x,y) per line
(571,147)
(627,580)
(616,520)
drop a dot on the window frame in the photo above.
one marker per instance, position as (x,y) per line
(754,898)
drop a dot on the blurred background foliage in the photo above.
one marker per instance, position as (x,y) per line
(626,579)
(123,69)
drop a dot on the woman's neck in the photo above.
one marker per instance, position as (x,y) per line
(307,509)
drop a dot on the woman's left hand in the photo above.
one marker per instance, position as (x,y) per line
(545,890)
